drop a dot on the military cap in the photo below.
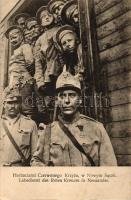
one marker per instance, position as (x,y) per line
(30,21)
(61,32)
(25,15)
(66,80)
(13,28)
(68,10)
(39,11)
(53,3)
(11,94)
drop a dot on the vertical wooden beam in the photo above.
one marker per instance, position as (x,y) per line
(85,34)
(89,47)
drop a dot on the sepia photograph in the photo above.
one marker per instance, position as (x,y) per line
(65,83)
(65,86)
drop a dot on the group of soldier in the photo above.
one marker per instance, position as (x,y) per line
(47,61)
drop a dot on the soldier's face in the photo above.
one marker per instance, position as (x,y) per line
(68,102)
(68,42)
(75,16)
(46,18)
(35,30)
(21,22)
(57,11)
(12,108)
(27,36)
(15,38)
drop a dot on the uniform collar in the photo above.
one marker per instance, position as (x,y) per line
(76,119)
(13,120)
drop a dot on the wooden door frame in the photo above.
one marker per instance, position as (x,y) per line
(90,56)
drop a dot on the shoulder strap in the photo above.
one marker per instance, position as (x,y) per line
(14,143)
(75,142)
(89,118)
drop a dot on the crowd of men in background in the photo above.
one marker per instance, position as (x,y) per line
(42,45)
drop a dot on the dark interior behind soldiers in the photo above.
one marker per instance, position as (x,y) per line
(46,62)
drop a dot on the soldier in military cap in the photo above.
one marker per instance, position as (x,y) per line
(22,59)
(74,139)
(20,20)
(18,133)
(28,36)
(21,65)
(46,56)
(34,28)
(55,7)
(67,42)
(70,14)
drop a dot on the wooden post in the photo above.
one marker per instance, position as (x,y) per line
(89,49)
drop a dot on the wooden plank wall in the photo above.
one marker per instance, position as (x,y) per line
(113,20)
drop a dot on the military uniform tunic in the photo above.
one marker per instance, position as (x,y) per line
(89,133)
(24,132)
(46,58)
(21,65)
